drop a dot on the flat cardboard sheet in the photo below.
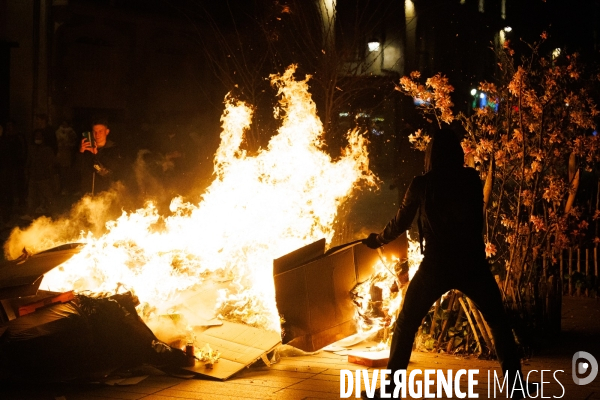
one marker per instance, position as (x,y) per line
(22,277)
(240,345)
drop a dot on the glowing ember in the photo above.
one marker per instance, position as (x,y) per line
(257,208)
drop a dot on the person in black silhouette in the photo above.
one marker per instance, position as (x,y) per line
(448,202)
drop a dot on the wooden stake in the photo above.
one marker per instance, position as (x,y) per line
(544,266)
(570,271)
(587,261)
(450,346)
(445,325)
(433,323)
(562,273)
(481,325)
(487,328)
(596,261)
(462,303)
(587,269)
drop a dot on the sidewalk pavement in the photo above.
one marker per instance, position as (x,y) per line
(318,376)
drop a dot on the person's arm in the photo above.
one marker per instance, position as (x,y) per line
(404,217)
(406,213)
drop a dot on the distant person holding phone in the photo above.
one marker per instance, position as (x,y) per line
(101,163)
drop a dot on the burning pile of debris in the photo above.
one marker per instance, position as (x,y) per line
(49,336)
(259,206)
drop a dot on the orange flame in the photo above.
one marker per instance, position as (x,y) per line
(257,208)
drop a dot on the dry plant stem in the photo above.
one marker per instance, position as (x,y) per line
(546,258)
(457,324)
(561,263)
(487,192)
(481,325)
(535,192)
(528,246)
(530,234)
(596,261)
(498,208)
(433,321)
(596,244)
(462,303)
(587,261)
(587,252)
(489,331)
(514,247)
(445,325)
(572,192)
(570,271)
(544,239)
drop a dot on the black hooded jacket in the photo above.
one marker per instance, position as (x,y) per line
(448,200)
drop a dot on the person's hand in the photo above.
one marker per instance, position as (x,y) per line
(372,242)
(87,146)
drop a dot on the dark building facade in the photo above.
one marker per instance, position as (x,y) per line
(146,62)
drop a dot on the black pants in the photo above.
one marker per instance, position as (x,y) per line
(438,275)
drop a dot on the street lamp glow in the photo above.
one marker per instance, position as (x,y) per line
(556,53)
(373,45)
(473,92)
(507,29)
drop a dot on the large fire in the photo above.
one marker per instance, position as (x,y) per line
(257,208)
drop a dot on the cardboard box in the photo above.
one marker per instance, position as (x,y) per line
(313,293)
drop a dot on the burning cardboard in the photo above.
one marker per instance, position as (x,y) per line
(23,276)
(313,290)
(239,346)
